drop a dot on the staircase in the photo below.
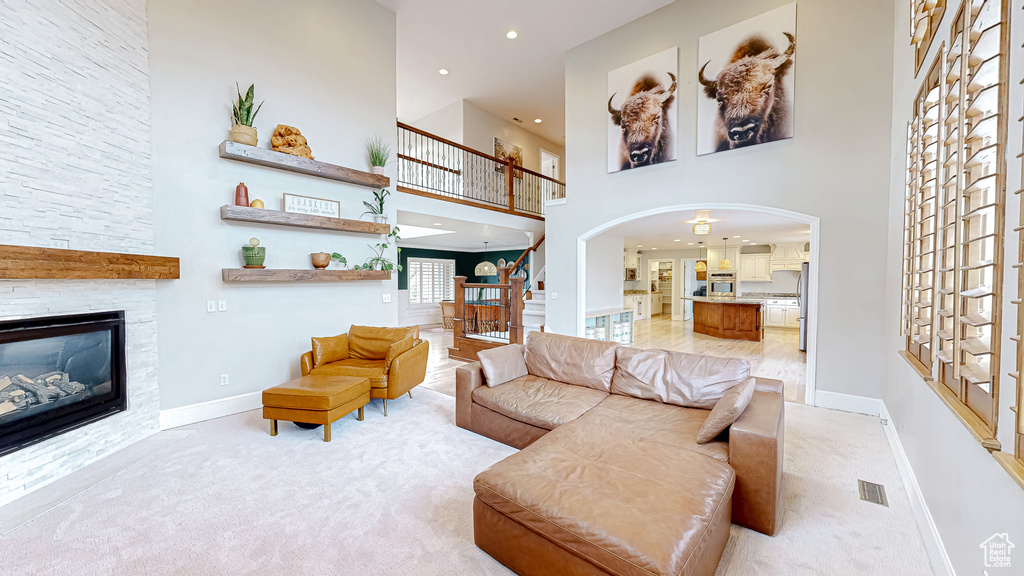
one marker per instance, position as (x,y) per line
(533,313)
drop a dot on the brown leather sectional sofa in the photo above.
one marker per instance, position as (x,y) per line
(610,478)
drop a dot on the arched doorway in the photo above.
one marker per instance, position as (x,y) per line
(813,223)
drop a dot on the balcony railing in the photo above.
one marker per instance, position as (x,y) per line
(490,312)
(429,165)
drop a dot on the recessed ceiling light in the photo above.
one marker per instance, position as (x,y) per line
(753,243)
(737,236)
(443,71)
(677,240)
(746,240)
(438,224)
(512,35)
(537,121)
(689,243)
(653,248)
(639,245)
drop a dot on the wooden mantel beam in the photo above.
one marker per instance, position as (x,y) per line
(34,263)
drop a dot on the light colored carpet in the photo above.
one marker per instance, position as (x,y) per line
(393,496)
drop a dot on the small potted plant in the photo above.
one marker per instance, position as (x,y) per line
(379,152)
(377,208)
(320,260)
(254,254)
(342,261)
(378,261)
(242,114)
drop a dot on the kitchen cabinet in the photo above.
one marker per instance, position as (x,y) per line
(792,317)
(716,254)
(755,268)
(639,304)
(782,313)
(631,259)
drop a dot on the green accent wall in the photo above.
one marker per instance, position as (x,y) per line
(465,263)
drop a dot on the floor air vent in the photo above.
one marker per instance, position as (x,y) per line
(871,492)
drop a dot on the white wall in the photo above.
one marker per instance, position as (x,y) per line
(476,128)
(826,171)
(446,122)
(969,495)
(75,160)
(480,127)
(604,272)
(326,67)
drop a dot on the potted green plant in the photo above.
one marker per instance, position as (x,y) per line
(254,254)
(377,208)
(378,261)
(342,261)
(379,152)
(242,114)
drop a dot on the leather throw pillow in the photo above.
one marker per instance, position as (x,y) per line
(502,364)
(330,349)
(726,411)
(397,349)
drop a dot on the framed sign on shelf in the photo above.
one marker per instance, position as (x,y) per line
(313,206)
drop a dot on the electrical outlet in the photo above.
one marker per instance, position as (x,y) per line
(223,379)
(211,306)
(222,305)
(59,243)
(554,295)
(387,298)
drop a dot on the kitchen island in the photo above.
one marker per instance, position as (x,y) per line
(729,318)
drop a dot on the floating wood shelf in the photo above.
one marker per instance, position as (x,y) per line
(262,216)
(283,275)
(34,263)
(282,161)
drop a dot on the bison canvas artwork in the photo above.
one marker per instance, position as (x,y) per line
(642,112)
(745,82)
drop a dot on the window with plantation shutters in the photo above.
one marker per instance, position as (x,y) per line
(955,213)
(431,280)
(925,17)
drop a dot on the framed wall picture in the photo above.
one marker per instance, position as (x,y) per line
(745,82)
(312,206)
(642,112)
(506,151)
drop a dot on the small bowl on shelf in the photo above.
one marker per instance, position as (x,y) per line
(320,260)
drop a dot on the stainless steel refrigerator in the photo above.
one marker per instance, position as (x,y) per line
(801,296)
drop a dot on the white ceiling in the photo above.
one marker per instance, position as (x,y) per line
(523,78)
(662,230)
(461,236)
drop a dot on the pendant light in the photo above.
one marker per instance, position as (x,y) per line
(724,263)
(701,266)
(485,268)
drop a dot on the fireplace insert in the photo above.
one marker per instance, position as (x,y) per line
(59,373)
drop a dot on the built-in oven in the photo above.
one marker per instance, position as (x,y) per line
(721,284)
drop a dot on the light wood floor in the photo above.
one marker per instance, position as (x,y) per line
(775,357)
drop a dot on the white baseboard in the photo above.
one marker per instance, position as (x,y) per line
(186,415)
(847,402)
(925,523)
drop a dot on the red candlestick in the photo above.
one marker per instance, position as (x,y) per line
(241,195)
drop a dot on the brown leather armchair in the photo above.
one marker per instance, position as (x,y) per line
(394,359)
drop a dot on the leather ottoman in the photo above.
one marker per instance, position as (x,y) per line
(315,399)
(569,505)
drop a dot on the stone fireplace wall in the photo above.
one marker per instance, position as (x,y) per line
(76,172)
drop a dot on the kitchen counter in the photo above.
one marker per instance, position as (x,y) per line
(634,292)
(726,299)
(728,318)
(771,296)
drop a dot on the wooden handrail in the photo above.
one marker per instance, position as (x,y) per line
(415,130)
(533,248)
(425,163)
